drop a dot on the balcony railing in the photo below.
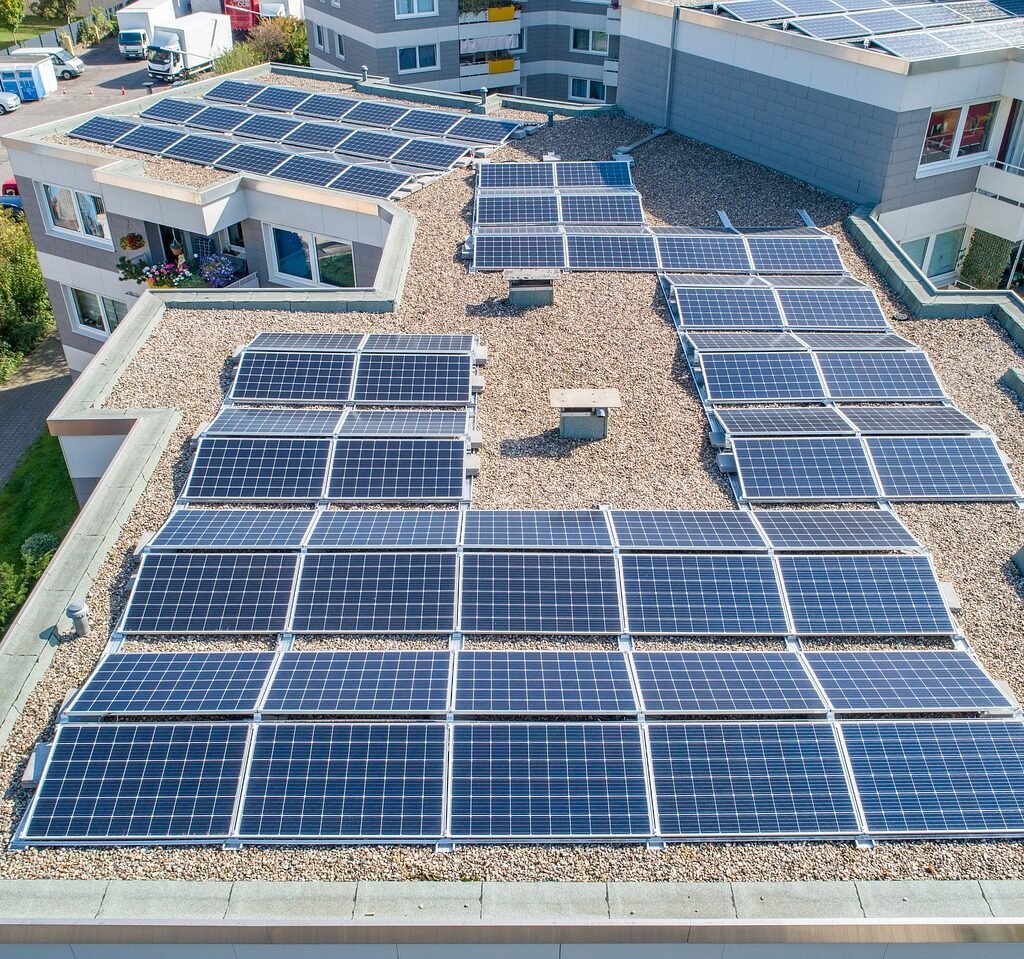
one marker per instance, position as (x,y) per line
(1007,167)
(483,11)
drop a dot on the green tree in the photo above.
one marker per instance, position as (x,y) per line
(12,12)
(296,41)
(62,11)
(25,312)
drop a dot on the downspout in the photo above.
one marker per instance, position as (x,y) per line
(671,65)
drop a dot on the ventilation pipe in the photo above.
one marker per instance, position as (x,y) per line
(671,67)
(78,613)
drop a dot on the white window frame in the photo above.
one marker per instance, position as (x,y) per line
(339,46)
(418,69)
(589,51)
(417,14)
(995,134)
(76,318)
(319,37)
(929,249)
(287,279)
(586,99)
(77,236)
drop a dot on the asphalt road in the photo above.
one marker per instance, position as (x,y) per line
(107,73)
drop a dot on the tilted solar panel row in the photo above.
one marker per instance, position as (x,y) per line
(611,175)
(753,421)
(374,782)
(278,421)
(759,341)
(534,683)
(612,207)
(545,593)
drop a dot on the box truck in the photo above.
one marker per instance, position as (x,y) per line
(188,46)
(137,24)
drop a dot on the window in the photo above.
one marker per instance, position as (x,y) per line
(958,132)
(411,59)
(339,46)
(415,8)
(590,41)
(312,260)
(318,37)
(74,212)
(916,250)
(590,90)
(937,256)
(95,314)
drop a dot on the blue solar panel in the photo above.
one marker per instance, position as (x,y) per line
(780,421)
(185,593)
(702,595)
(601,208)
(719,308)
(433,122)
(879,376)
(548,780)
(536,529)
(753,11)
(325,106)
(233,91)
(318,136)
(404,423)
(538,683)
(251,159)
(397,378)
(375,146)
(233,529)
(926,778)
(804,468)
(796,254)
(218,119)
(514,176)
(760,377)
(103,129)
(707,682)
(915,420)
(732,341)
(539,593)
(312,170)
(199,149)
(392,470)
(168,684)
(429,154)
(293,377)
(314,342)
(418,343)
(171,110)
(834,530)
(520,251)
(258,469)
(284,99)
(604,174)
(864,596)
(498,209)
(705,253)
(855,340)
(376,592)
(900,681)
(941,467)
(370,181)
(612,252)
(690,530)
(373,113)
(749,780)
(150,139)
(266,128)
(345,781)
(385,528)
(329,682)
(480,130)
(235,421)
(122,781)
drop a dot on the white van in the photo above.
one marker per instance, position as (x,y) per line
(65,65)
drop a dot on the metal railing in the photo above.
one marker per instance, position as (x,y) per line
(1007,167)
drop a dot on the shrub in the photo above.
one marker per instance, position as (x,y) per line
(88,35)
(239,57)
(105,26)
(268,41)
(39,546)
(25,312)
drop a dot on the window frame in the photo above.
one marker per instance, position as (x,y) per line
(339,46)
(589,82)
(80,235)
(929,251)
(956,162)
(320,37)
(312,251)
(418,69)
(416,15)
(75,313)
(589,50)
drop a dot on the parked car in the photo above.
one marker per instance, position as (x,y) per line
(9,102)
(15,205)
(10,188)
(65,65)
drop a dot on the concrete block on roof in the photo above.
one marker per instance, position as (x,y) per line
(51,898)
(904,898)
(165,899)
(425,901)
(796,900)
(670,900)
(545,901)
(294,900)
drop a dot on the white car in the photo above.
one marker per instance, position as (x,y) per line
(9,102)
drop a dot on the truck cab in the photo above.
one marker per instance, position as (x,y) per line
(132,44)
(65,65)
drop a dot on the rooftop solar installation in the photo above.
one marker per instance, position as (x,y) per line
(352,681)
(689,595)
(251,159)
(293,377)
(184,593)
(325,107)
(496,208)
(284,99)
(373,113)
(238,421)
(318,342)
(794,254)
(396,470)
(103,129)
(423,380)
(376,592)
(266,128)
(914,46)
(373,145)
(931,778)
(686,530)
(385,528)
(147,139)
(345,781)
(121,781)
(410,423)
(221,529)
(885,21)
(879,376)
(513,176)
(703,253)
(913,420)
(724,308)
(202,150)
(835,530)
(431,122)
(548,780)
(311,170)
(891,681)
(519,251)
(613,173)
(828,27)
(749,779)
(855,341)
(706,683)
(370,181)
(418,343)
(760,377)
(173,684)
(822,308)
(804,468)
(941,467)
(865,596)
(429,154)
(534,683)
(481,130)
(587,251)
(536,529)
(171,110)
(559,593)
(317,136)
(255,468)
(780,421)
(234,91)
(731,341)
(601,208)
(217,119)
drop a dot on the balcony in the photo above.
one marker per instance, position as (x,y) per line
(495,74)
(213,271)
(1002,180)
(488,11)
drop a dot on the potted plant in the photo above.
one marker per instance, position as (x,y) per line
(132,241)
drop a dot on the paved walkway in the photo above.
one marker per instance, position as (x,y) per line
(27,398)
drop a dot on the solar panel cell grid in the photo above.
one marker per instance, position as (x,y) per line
(430,154)
(410,423)
(199,149)
(310,170)
(479,130)
(397,470)
(298,377)
(776,421)
(219,119)
(612,252)
(941,467)
(909,419)
(606,174)
(233,529)
(834,530)
(511,252)
(372,113)
(426,380)
(733,342)
(536,529)
(385,528)
(370,181)
(148,139)
(171,110)
(418,343)
(601,208)
(318,136)
(879,375)
(805,254)
(325,106)
(283,99)
(266,128)
(760,377)
(724,308)
(511,176)
(251,159)
(375,146)
(804,468)
(432,122)
(233,91)
(691,530)
(234,421)
(497,209)
(258,469)
(103,129)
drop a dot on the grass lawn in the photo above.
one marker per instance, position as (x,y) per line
(30,27)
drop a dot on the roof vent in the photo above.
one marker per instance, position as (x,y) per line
(584,413)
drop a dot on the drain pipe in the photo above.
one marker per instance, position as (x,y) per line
(671,65)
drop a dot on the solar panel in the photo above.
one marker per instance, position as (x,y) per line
(971,38)
(864,596)
(312,170)
(842,340)
(293,377)
(548,780)
(602,208)
(513,176)
(266,128)
(375,146)
(433,122)
(779,421)
(885,21)
(429,154)
(348,781)
(893,681)
(370,181)
(914,46)
(316,342)
(258,469)
(382,528)
(588,251)
(935,15)
(539,593)
(425,380)
(810,7)
(393,470)
(909,419)
(334,682)
(749,779)
(497,208)
(235,421)
(518,251)
(317,136)
(150,139)
(121,781)
(536,529)
(752,11)
(283,99)
(169,684)
(832,530)
(760,377)
(184,593)
(479,130)
(217,119)
(103,129)
(703,253)
(404,423)
(804,468)
(199,149)
(941,467)
(979,10)
(795,254)
(372,113)
(724,308)
(928,778)
(879,376)
(418,343)
(251,159)
(691,595)
(233,91)
(539,683)
(233,529)
(743,342)
(376,592)
(325,106)
(614,173)
(696,683)
(832,27)
(171,110)
(690,530)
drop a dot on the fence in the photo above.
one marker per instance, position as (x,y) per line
(52,37)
